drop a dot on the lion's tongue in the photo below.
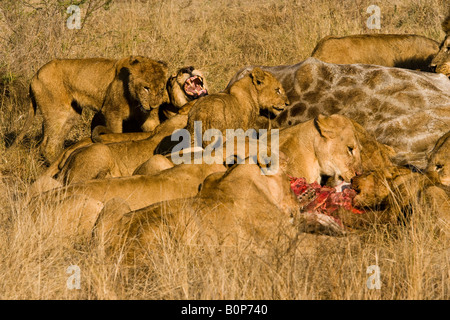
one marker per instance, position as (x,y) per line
(193,86)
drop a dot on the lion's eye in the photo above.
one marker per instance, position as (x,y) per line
(439,167)
(278,91)
(147,89)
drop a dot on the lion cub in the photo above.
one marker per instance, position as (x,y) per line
(238,106)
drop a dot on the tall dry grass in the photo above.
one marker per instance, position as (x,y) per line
(219,37)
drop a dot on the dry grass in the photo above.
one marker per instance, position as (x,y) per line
(218,36)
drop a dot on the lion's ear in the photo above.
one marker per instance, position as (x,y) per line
(324,127)
(123,63)
(163,63)
(134,60)
(257,76)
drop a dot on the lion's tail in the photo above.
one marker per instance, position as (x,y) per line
(29,120)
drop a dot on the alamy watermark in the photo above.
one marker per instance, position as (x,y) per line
(374,21)
(258,147)
(74,281)
(374,281)
(74,21)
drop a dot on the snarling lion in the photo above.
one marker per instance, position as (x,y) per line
(187,85)
(391,50)
(441,63)
(129,88)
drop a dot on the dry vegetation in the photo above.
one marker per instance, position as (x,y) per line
(219,37)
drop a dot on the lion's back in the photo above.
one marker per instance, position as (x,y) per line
(390,50)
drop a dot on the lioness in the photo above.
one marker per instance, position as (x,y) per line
(187,85)
(128,88)
(137,191)
(238,106)
(399,189)
(438,168)
(441,62)
(408,51)
(324,146)
(240,206)
(101,160)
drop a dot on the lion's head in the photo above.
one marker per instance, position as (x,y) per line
(337,149)
(441,62)
(396,186)
(145,81)
(270,93)
(439,161)
(186,85)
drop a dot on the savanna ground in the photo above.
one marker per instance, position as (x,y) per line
(219,37)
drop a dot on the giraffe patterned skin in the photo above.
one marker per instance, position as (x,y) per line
(405,109)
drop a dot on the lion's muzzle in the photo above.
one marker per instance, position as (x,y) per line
(194,87)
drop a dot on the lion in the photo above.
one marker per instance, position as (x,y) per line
(324,146)
(438,168)
(180,87)
(408,51)
(129,88)
(183,88)
(240,206)
(400,188)
(121,159)
(99,160)
(238,107)
(137,191)
(441,62)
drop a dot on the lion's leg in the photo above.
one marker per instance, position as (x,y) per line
(58,120)
(106,229)
(93,162)
(152,121)
(155,164)
(114,121)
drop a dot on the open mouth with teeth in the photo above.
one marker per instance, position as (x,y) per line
(194,87)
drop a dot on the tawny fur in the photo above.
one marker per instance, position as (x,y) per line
(122,89)
(239,105)
(391,50)
(441,63)
(325,146)
(438,168)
